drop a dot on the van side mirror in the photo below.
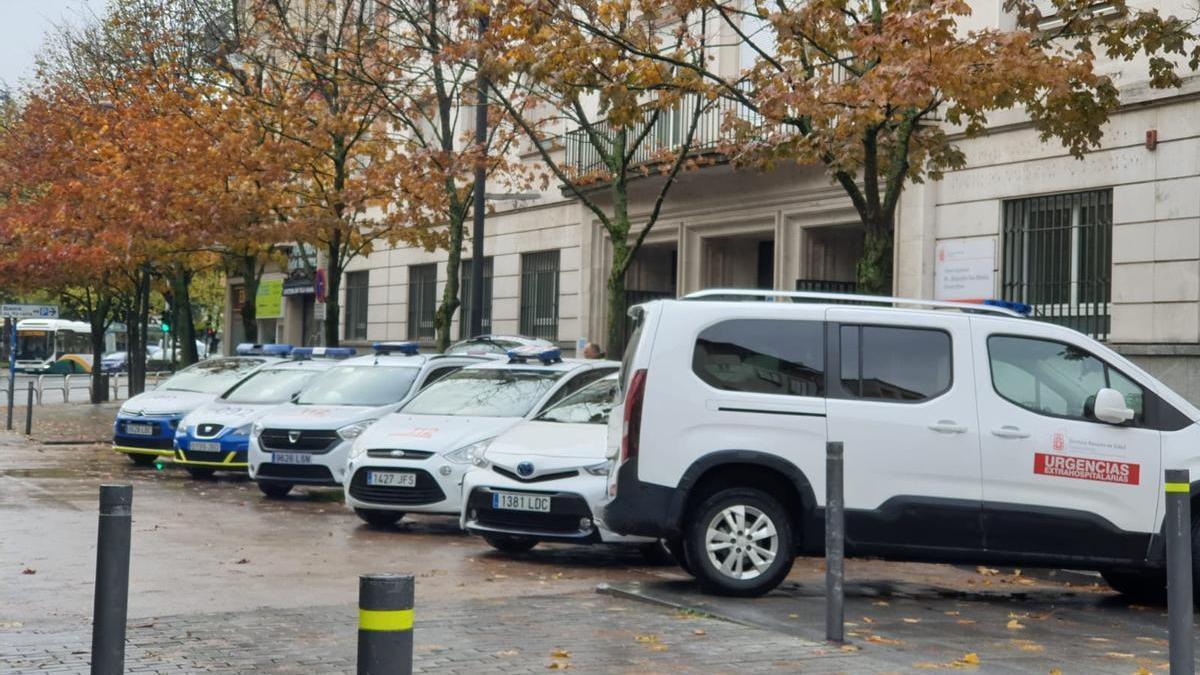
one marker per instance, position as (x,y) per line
(1110,407)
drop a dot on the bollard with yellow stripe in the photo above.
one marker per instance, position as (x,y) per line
(385,624)
(1177,528)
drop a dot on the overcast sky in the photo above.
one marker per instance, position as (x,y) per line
(23,24)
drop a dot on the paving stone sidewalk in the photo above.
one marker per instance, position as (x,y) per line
(585,632)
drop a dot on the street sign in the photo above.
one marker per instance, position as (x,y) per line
(29,311)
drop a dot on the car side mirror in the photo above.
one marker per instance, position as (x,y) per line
(295,397)
(1110,407)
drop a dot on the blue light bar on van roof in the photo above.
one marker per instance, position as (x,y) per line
(406,348)
(302,353)
(253,349)
(1018,307)
(546,355)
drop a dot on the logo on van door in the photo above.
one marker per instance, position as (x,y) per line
(1059,441)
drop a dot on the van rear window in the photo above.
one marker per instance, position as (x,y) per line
(764,356)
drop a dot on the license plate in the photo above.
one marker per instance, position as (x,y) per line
(513,501)
(139,429)
(392,478)
(291,458)
(205,446)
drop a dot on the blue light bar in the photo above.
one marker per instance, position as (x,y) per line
(406,348)
(1018,307)
(302,353)
(546,355)
(253,349)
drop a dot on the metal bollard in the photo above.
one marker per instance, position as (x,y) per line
(40,388)
(29,411)
(1178,527)
(385,623)
(112,580)
(12,383)
(66,388)
(835,543)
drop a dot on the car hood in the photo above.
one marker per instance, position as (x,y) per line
(433,433)
(292,416)
(557,444)
(229,415)
(165,402)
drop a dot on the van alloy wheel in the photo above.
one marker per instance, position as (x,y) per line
(742,542)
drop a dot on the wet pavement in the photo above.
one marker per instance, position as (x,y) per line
(224,580)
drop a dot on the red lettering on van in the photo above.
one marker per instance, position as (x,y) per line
(1086,468)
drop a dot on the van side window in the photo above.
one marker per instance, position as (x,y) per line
(762,356)
(895,364)
(1055,378)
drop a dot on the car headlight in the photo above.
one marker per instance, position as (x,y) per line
(470,454)
(352,431)
(244,430)
(357,450)
(256,429)
(600,469)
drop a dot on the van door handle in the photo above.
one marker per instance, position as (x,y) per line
(948,427)
(1009,431)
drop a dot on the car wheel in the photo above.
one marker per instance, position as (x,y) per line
(274,490)
(379,518)
(739,542)
(140,459)
(200,473)
(656,553)
(1137,584)
(510,544)
(675,546)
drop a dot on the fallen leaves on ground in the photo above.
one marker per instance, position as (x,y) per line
(699,631)
(508,652)
(652,642)
(560,654)
(1118,655)
(879,639)
(910,620)
(1013,624)
(1028,646)
(987,571)
(28,570)
(967,661)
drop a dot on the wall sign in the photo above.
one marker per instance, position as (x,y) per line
(965,269)
(268,303)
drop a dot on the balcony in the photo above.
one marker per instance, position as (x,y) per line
(667,133)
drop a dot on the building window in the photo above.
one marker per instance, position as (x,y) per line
(539,295)
(357,284)
(422,301)
(762,356)
(464,322)
(899,365)
(1057,257)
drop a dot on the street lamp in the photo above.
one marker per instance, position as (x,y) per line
(481,123)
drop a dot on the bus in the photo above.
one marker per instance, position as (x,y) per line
(42,342)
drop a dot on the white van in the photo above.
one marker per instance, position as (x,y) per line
(972,435)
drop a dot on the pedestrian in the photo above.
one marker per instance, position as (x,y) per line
(592,351)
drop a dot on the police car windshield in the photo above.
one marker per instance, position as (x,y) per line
(589,405)
(213,376)
(484,393)
(274,385)
(488,346)
(359,385)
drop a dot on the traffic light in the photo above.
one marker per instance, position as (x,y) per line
(165,321)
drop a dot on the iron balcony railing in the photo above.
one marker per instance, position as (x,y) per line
(668,132)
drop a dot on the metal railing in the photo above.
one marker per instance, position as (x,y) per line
(66,384)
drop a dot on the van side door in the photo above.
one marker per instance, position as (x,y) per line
(902,400)
(1057,482)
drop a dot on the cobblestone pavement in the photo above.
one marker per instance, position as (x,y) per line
(584,632)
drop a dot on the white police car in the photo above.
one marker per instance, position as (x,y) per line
(497,345)
(305,442)
(415,460)
(546,479)
(216,436)
(144,429)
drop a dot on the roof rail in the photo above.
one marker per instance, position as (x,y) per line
(852,299)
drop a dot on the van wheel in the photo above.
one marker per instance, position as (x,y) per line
(379,518)
(509,544)
(200,473)
(1138,584)
(739,542)
(274,490)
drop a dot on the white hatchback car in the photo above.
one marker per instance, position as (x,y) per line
(305,442)
(971,434)
(415,460)
(544,479)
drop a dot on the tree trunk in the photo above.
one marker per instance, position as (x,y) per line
(874,269)
(98,323)
(250,279)
(333,282)
(141,309)
(616,313)
(444,316)
(181,308)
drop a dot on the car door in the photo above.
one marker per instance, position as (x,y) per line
(1056,481)
(902,400)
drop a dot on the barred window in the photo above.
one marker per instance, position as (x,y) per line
(357,284)
(422,301)
(539,295)
(1057,257)
(464,322)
